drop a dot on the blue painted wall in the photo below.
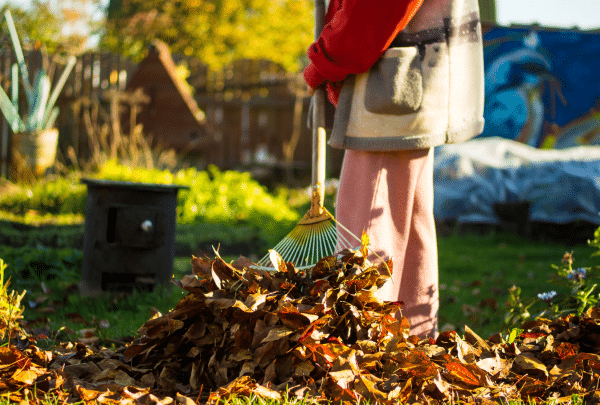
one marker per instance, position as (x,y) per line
(542,87)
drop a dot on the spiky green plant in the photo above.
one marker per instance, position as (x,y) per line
(41,112)
(10,307)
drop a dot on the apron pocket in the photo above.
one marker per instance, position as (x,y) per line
(395,83)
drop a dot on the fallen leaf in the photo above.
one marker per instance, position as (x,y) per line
(528,363)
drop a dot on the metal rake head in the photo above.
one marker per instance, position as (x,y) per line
(310,241)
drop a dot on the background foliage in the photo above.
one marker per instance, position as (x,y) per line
(215,31)
(39,25)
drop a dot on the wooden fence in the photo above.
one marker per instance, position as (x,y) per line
(255,112)
(258,113)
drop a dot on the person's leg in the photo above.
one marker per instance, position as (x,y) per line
(419,285)
(390,196)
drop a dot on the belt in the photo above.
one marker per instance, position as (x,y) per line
(428,36)
(468,29)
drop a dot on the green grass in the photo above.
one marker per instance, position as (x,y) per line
(476,272)
(254,400)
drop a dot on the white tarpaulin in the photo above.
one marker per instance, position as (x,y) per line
(561,185)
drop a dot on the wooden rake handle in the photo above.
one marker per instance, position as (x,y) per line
(318,120)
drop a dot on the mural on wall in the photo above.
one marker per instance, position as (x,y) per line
(542,86)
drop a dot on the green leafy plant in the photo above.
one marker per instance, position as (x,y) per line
(53,196)
(10,307)
(41,99)
(581,283)
(577,291)
(215,196)
(517,310)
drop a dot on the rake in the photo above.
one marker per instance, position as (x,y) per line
(317,234)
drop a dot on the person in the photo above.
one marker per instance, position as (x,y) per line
(405,76)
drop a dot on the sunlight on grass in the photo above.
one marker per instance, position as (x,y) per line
(476,272)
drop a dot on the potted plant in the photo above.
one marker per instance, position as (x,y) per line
(35,137)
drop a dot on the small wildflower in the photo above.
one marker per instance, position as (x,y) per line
(568,258)
(547,296)
(577,274)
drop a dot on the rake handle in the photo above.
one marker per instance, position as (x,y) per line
(318,119)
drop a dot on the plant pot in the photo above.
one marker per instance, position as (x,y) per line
(37,149)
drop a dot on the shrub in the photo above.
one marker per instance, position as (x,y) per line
(214,196)
(10,307)
(55,196)
(226,197)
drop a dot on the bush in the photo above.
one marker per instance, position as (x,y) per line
(228,198)
(55,196)
(214,196)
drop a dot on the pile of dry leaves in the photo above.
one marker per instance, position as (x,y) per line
(323,334)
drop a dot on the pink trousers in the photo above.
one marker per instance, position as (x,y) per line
(390,196)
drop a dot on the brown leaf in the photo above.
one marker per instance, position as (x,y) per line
(243,339)
(270,374)
(323,267)
(465,352)
(89,341)
(266,393)
(148,380)
(366,386)
(581,361)
(255,301)
(304,369)
(401,393)
(201,267)
(345,368)
(468,374)
(528,363)
(371,361)
(9,357)
(87,394)
(183,400)
(495,366)
(123,379)
(475,340)
(76,317)
(27,377)
(277,333)
(83,370)
(223,270)
(416,364)
(189,282)
(566,349)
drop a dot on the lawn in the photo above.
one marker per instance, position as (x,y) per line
(476,273)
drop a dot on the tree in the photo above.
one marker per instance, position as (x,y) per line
(57,26)
(38,26)
(215,31)
(81,19)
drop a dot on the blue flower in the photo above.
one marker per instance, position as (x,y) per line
(577,274)
(547,296)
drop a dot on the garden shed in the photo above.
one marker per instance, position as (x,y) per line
(171,117)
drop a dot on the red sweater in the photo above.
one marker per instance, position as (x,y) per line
(355,35)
